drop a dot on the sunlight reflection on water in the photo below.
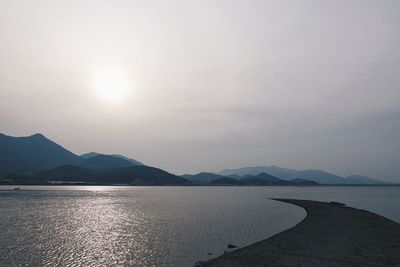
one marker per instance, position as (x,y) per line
(132,226)
(151,226)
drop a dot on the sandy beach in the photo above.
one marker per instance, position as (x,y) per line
(330,235)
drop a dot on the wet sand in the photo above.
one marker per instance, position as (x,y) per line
(330,235)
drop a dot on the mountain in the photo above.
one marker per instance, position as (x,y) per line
(267,178)
(225,181)
(203,177)
(135,175)
(135,162)
(26,155)
(37,157)
(256,182)
(104,162)
(90,155)
(283,173)
(322,177)
(358,179)
(67,173)
(319,176)
(94,154)
(300,181)
(262,179)
(143,175)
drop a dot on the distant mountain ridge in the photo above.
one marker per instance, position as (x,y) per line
(265,177)
(143,175)
(261,179)
(203,177)
(318,176)
(37,157)
(104,162)
(94,154)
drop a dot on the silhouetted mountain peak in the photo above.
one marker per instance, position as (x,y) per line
(29,154)
(38,136)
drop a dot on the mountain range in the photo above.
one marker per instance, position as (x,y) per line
(319,176)
(134,175)
(261,179)
(36,159)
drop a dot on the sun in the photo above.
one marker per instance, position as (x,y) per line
(111,85)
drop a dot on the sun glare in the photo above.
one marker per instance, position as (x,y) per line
(111,85)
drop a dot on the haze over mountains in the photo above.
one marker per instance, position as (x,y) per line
(262,179)
(318,176)
(36,159)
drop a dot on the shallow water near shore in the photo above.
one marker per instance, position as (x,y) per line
(155,226)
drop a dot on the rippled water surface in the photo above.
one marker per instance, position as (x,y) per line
(154,226)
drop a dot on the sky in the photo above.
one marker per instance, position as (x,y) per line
(192,86)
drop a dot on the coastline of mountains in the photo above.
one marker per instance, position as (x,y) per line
(37,160)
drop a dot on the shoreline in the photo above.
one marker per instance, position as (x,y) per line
(330,235)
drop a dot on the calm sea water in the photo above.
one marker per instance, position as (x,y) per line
(155,226)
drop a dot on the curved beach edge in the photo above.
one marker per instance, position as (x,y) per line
(330,235)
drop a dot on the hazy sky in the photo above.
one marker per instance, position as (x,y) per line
(190,86)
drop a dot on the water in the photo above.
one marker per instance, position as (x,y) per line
(155,226)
